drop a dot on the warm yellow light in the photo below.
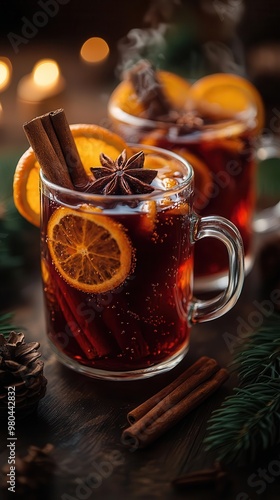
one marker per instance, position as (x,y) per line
(94,50)
(46,73)
(5,72)
(44,82)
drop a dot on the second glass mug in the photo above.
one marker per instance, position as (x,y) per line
(139,325)
(223,154)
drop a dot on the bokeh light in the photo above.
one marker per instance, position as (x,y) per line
(46,73)
(44,82)
(94,50)
(5,72)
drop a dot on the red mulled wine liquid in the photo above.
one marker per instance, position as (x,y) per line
(231,192)
(224,166)
(140,322)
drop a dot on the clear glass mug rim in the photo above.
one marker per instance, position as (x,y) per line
(156,194)
(246,118)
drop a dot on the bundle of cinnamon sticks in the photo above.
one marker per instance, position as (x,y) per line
(163,410)
(53,144)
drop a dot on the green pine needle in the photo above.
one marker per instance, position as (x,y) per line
(248,421)
(5,324)
(260,356)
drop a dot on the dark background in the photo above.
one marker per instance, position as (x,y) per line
(242,26)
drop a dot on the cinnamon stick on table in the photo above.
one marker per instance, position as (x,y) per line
(215,477)
(175,405)
(141,410)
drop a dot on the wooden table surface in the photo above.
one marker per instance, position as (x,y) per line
(84,418)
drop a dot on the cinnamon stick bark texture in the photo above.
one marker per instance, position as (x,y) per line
(52,141)
(130,339)
(47,124)
(50,163)
(156,422)
(76,332)
(88,332)
(137,413)
(149,90)
(215,478)
(69,148)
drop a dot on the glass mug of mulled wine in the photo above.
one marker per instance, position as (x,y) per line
(214,124)
(118,268)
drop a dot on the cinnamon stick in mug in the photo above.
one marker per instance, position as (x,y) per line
(72,158)
(55,170)
(54,146)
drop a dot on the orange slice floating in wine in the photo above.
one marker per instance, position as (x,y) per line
(91,252)
(202,177)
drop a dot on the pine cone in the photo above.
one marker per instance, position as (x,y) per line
(33,473)
(20,367)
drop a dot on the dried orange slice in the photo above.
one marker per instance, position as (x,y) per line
(166,167)
(26,187)
(202,178)
(45,271)
(154,138)
(49,287)
(91,252)
(91,140)
(180,208)
(148,219)
(175,88)
(226,95)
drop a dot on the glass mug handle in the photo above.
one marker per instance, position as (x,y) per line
(223,230)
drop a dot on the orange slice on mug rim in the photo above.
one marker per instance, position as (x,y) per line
(91,252)
(91,140)
(225,95)
(219,96)
(26,187)
(175,88)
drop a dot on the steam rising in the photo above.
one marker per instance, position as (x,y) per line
(140,44)
(147,43)
(221,57)
(150,42)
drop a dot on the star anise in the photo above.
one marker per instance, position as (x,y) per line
(122,176)
(190,119)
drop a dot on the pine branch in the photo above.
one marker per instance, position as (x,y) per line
(248,421)
(260,356)
(5,324)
